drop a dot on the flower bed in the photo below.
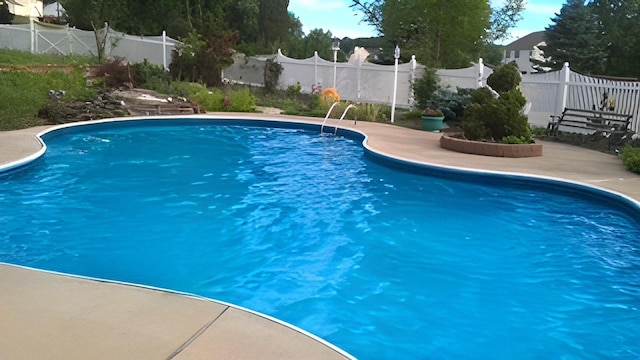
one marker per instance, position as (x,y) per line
(490,149)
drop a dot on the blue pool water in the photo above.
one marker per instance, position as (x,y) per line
(306,228)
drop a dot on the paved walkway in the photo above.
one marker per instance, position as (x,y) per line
(54,316)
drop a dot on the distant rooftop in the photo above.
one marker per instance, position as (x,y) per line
(526,42)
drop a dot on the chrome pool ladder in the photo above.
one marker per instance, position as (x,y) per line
(341,117)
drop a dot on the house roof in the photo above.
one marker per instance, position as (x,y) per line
(54,9)
(526,42)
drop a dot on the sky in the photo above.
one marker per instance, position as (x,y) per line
(337,17)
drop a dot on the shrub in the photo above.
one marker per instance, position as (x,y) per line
(424,88)
(370,112)
(473,125)
(482,96)
(498,119)
(452,104)
(186,89)
(293,90)
(217,100)
(272,72)
(148,75)
(242,101)
(116,73)
(505,78)
(631,158)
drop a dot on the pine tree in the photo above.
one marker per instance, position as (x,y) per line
(621,22)
(5,16)
(577,37)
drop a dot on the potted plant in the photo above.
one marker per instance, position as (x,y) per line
(432,119)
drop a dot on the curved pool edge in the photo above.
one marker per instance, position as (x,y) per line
(97,308)
(428,167)
(377,152)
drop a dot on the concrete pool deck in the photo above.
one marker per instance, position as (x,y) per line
(56,316)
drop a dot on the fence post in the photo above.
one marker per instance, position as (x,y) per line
(563,87)
(32,31)
(69,39)
(164,50)
(414,65)
(359,80)
(315,68)
(480,67)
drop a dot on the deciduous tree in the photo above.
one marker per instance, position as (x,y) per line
(441,33)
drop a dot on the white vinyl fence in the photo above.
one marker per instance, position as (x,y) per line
(356,81)
(40,38)
(549,93)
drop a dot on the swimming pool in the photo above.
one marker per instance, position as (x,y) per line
(306,228)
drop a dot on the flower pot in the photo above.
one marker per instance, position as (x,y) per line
(432,123)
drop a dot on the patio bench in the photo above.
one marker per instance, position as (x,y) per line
(599,121)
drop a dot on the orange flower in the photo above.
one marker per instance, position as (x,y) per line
(329,95)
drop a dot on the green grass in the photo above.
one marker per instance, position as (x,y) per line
(23,94)
(14,57)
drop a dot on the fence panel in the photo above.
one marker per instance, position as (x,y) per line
(466,78)
(541,89)
(15,37)
(140,48)
(588,92)
(46,38)
(247,70)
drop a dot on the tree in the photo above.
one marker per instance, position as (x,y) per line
(440,33)
(501,20)
(201,58)
(576,36)
(620,20)
(274,21)
(5,16)
(244,17)
(317,40)
(492,54)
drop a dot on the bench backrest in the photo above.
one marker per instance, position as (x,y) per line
(596,114)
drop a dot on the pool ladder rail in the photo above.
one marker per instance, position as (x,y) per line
(341,117)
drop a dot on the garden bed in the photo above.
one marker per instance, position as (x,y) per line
(490,149)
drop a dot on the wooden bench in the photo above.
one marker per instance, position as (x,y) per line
(593,120)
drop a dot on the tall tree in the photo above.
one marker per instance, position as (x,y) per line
(576,36)
(5,16)
(274,20)
(244,17)
(440,33)
(621,23)
(502,19)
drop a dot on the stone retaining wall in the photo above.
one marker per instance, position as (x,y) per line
(490,149)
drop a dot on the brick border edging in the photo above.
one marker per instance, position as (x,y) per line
(490,149)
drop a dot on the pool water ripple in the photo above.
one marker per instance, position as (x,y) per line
(304,227)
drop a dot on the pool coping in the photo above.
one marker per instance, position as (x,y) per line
(373,135)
